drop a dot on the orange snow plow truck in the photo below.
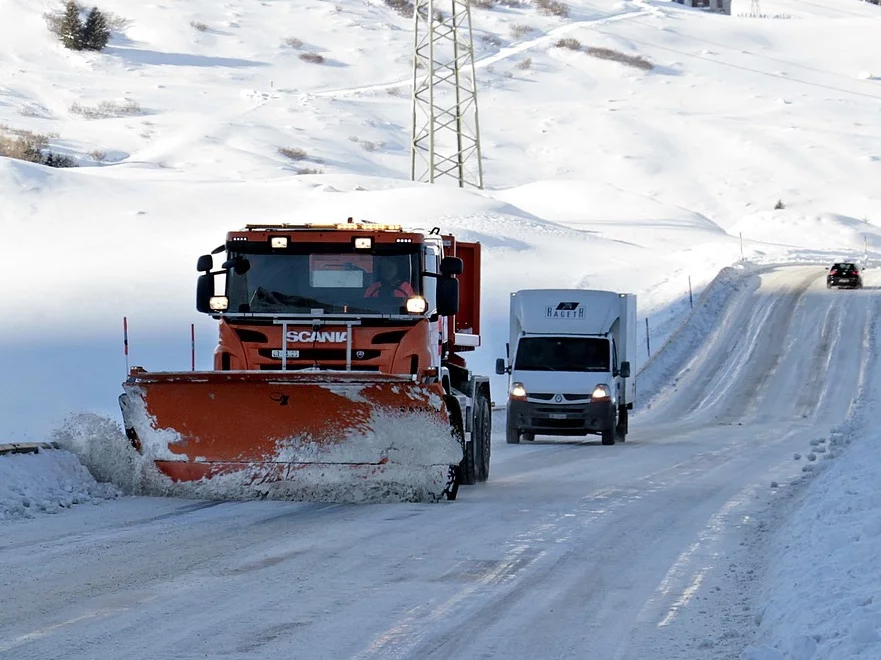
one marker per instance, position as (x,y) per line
(340,367)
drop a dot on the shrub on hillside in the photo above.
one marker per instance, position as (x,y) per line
(519,30)
(74,33)
(31,147)
(294,153)
(403,7)
(552,8)
(106,109)
(312,58)
(617,56)
(571,44)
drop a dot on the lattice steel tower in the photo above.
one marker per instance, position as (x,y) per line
(445,132)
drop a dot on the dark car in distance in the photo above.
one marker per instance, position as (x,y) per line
(844,273)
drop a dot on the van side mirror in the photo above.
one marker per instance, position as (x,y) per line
(204,292)
(450,266)
(624,371)
(447,296)
(501,369)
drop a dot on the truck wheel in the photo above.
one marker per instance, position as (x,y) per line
(466,466)
(609,436)
(482,435)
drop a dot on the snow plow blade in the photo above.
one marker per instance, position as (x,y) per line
(329,436)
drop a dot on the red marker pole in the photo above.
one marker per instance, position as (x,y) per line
(193,345)
(125,341)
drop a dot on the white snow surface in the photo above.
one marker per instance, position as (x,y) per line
(740,520)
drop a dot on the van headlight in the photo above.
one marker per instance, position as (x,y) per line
(518,391)
(601,393)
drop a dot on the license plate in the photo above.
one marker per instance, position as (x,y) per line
(558,415)
(277,353)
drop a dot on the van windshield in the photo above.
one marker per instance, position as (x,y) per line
(562,354)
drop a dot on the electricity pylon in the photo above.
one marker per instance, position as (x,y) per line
(754,9)
(445,131)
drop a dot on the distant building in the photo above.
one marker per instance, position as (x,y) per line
(720,6)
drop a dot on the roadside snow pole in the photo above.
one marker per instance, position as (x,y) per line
(741,246)
(690,297)
(648,346)
(125,341)
(193,346)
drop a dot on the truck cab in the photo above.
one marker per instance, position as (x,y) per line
(568,364)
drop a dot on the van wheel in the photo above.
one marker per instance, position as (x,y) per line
(512,433)
(609,436)
(621,428)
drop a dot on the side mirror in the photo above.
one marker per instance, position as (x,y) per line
(240,265)
(450,266)
(205,263)
(447,296)
(501,369)
(624,371)
(204,293)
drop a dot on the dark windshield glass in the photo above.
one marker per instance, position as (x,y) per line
(562,354)
(333,278)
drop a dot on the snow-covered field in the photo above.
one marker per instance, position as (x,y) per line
(598,176)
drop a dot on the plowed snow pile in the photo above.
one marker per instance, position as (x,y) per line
(47,483)
(100,444)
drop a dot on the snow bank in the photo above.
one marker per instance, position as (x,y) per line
(661,370)
(417,469)
(47,482)
(820,597)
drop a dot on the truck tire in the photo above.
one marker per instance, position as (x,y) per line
(457,428)
(482,435)
(608,436)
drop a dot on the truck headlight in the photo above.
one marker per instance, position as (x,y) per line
(601,392)
(518,391)
(218,303)
(416,305)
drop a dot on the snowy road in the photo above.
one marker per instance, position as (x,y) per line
(571,550)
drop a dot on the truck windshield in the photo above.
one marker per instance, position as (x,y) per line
(562,354)
(333,278)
